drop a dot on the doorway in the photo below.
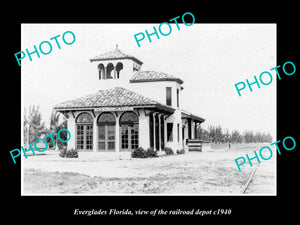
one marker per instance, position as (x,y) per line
(129,137)
(84,131)
(106,131)
(129,133)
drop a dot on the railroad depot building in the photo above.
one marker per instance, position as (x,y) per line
(137,108)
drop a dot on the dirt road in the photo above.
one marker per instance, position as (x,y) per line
(210,172)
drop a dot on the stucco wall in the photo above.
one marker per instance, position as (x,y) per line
(144,140)
(157,90)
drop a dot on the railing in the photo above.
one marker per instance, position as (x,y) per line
(195,144)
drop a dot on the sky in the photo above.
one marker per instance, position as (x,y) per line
(209,58)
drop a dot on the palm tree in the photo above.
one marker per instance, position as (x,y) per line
(33,125)
(54,125)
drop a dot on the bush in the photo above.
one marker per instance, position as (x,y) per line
(139,153)
(142,153)
(180,151)
(63,152)
(168,151)
(72,153)
(151,153)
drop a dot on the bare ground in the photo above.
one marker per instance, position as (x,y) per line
(210,172)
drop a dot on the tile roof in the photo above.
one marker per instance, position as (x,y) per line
(185,114)
(115,97)
(149,76)
(115,54)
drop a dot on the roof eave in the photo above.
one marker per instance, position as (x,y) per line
(157,106)
(192,116)
(106,59)
(179,81)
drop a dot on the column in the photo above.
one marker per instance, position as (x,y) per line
(115,73)
(72,128)
(159,132)
(154,134)
(144,134)
(193,128)
(105,73)
(95,135)
(117,134)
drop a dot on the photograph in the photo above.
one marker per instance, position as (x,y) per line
(175,108)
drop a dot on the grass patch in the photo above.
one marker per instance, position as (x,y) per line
(39,182)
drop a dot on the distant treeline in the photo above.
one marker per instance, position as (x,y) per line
(215,134)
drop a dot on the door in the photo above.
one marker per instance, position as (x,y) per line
(106,137)
(84,137)
(129,137)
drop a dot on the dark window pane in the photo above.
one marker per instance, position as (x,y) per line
(169,96)
(169,131)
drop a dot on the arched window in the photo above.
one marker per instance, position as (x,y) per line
(119,67)
(109,71)
(106,131)
(101,71)
(129,118)
(106,118)
(84,131)
(84,118)
(129,124)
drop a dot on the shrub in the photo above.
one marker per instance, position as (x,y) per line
(63,152)
(180,151)
(169,151)
(151,153)
(142,153)
(139,153)
(71,153)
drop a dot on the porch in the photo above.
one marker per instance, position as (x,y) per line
(190,136)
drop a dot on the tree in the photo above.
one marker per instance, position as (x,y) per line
(54,125)
(236,137)
(33,121)
(212,133)
(219,137)
(63,134)
(227,136)
(202,134)
(249,137)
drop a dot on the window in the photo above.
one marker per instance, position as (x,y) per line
(168,96)
(80,137)
(89,137)
(169,131)
(110,71)
(119,67)
(129,118)
(84,131)
(101,71)
(84,118)
(177,97)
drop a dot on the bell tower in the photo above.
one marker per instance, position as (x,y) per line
(116,67)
